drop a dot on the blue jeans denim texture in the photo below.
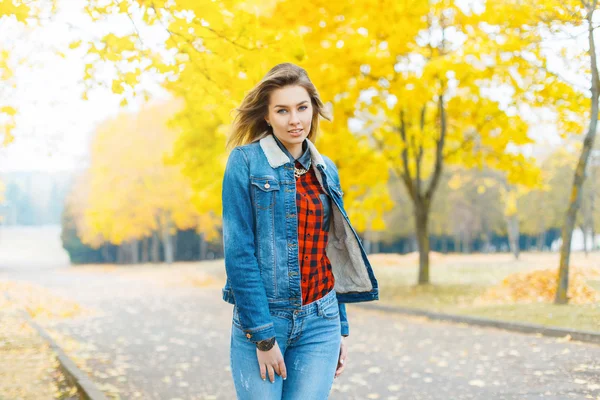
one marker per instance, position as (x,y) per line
(309,340)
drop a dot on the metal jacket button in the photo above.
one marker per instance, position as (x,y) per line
(267,185)
(248,335)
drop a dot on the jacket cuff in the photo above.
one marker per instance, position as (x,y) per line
(257,334)
(345,329)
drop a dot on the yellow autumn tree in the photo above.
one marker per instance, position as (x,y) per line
(24,16)
(423,93)
(132,193)
(575,109)
(215,58)
(418,78)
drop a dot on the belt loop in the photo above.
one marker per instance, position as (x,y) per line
(318,304)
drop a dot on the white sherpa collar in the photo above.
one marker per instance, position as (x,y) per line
(277,158)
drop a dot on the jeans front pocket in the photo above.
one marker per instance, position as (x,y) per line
(330,310)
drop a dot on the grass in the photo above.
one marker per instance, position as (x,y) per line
(458,280)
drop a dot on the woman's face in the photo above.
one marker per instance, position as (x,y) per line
(290,114)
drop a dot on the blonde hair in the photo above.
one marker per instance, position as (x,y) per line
(249,124)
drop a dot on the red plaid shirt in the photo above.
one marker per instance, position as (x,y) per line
(315,268)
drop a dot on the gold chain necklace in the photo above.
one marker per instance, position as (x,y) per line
(298,172)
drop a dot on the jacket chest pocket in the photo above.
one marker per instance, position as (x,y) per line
(263,191)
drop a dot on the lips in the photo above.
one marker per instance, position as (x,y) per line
(296,132)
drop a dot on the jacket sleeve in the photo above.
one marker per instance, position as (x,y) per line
(241,263)
(345,327)
(344,319)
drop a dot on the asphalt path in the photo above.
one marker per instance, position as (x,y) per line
(151,339)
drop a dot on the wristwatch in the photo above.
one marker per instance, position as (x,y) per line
(266,345)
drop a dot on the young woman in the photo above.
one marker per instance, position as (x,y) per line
(291,255)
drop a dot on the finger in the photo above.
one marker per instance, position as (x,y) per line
(271,373)
(276,369)
(282,369)
(339,370)
(343,354)
(263,371)
(343,358)
(341,363)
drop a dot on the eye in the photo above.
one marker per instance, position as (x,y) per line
(302,108)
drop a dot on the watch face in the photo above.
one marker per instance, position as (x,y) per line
(266,344)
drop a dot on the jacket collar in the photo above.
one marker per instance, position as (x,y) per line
(304,160)
(277,158)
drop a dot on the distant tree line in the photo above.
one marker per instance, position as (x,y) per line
(187,246)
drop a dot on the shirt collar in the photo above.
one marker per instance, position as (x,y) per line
(304,159)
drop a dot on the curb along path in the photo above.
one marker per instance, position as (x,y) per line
(85,387)
(583,336)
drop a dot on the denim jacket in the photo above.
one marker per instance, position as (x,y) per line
(260,237)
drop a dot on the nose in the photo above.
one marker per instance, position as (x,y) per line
(294,120)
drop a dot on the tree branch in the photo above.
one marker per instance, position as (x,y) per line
(439,154)
(408,179)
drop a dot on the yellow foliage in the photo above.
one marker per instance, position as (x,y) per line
(540,287)
(75,44)
(130,192)
(39,301)
(18,8)
(8,110)
(219,50)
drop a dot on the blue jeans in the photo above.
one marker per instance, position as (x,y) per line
(309,340)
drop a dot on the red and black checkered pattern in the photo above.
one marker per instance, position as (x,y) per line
(315,268)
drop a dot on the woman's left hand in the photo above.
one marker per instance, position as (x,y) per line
(341,359)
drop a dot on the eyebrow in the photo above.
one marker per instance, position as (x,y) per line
(302,102)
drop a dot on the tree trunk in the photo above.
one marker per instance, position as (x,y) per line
(166,240)
(422,195)
(145,255)
(367,244)
(467,243)
(486,243)
(135,251)
(512,222)
(125,254)
(375,247)
(584,234)
(203,246)
(120,254)
(575,199)
(155,253)
(421,221)
(591,222)
(541,241)
(175,241)
(105,254)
